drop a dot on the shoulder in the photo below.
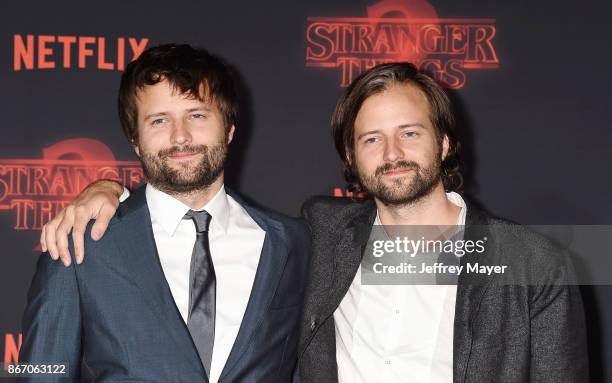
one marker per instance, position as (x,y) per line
(522,237)
(132,211)
(510,234)
(100,250)
(294,228)
(129,220)
(273,215)
(52,276)
(318,208)
(529,252)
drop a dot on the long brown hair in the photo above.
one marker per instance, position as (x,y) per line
(375,81)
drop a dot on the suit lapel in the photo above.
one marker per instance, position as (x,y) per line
(269,272)
(135,240)
(348,253)
(470,290)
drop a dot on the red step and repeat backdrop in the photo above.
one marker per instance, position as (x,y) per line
(530,83)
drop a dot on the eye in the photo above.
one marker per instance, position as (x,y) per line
(158,121)
(197,116)
(370,140)
(410,134)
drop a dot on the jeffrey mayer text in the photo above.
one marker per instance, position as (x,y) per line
(438,268)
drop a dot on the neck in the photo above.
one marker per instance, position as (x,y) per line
(432,209)
(196,199)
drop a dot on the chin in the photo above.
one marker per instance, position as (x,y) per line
(398,183)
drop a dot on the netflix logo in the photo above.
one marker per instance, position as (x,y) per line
(34,52)
(12,344)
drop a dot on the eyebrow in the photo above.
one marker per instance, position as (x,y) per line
(160,114)
(402,126)
(199,108)
(149,116)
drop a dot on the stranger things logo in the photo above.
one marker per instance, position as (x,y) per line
(402,30)
(36,190)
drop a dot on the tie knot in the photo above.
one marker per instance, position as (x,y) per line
(200,218)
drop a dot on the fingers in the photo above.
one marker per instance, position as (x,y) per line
(61,235)
(81,218)
(49,236)
(43,243)
(104,216)
(98,201)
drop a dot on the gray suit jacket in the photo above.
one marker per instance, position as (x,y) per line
(502,333)
(113,318)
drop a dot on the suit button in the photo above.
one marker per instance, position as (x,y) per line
(313,323)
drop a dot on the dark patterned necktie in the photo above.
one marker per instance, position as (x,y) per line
(202,290)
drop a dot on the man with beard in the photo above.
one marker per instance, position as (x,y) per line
(190,283)
(394,131)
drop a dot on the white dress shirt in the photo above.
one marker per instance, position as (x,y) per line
(397,333)
(235,242)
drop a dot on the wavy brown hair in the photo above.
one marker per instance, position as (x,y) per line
(377,80)
(186,69)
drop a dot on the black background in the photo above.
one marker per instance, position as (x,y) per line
(537,130)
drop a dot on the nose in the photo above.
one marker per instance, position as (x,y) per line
(393,151)
(180,133)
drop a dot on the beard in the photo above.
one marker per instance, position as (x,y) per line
(184,177)
(403,190)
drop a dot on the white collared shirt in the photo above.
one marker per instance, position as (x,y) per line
(397,333)
(235,242)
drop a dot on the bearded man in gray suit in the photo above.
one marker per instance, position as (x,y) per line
(395,133)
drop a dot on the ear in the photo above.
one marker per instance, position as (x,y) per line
(136,148)
(230,134)
(349,157)
(445,146)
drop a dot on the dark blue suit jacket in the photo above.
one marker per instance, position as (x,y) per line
(113,318)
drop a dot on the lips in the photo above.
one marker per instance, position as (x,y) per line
(182,153)
(183,156)
(399,168)
(397,171)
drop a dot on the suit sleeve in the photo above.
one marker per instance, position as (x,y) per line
(51,324)
(558,330)
(296,375)
(305,211)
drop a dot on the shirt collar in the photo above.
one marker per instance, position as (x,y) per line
(219,209)
(168,212)
(456,198)
(452,197)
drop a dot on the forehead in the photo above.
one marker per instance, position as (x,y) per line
(165,95)
(398,104)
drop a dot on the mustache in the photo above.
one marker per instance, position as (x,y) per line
(400,165)
(183,149)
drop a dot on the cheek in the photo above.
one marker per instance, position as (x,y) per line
(150,142)
(421,152)
(208,137)
(208,133)
(366,160)
(434,152)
